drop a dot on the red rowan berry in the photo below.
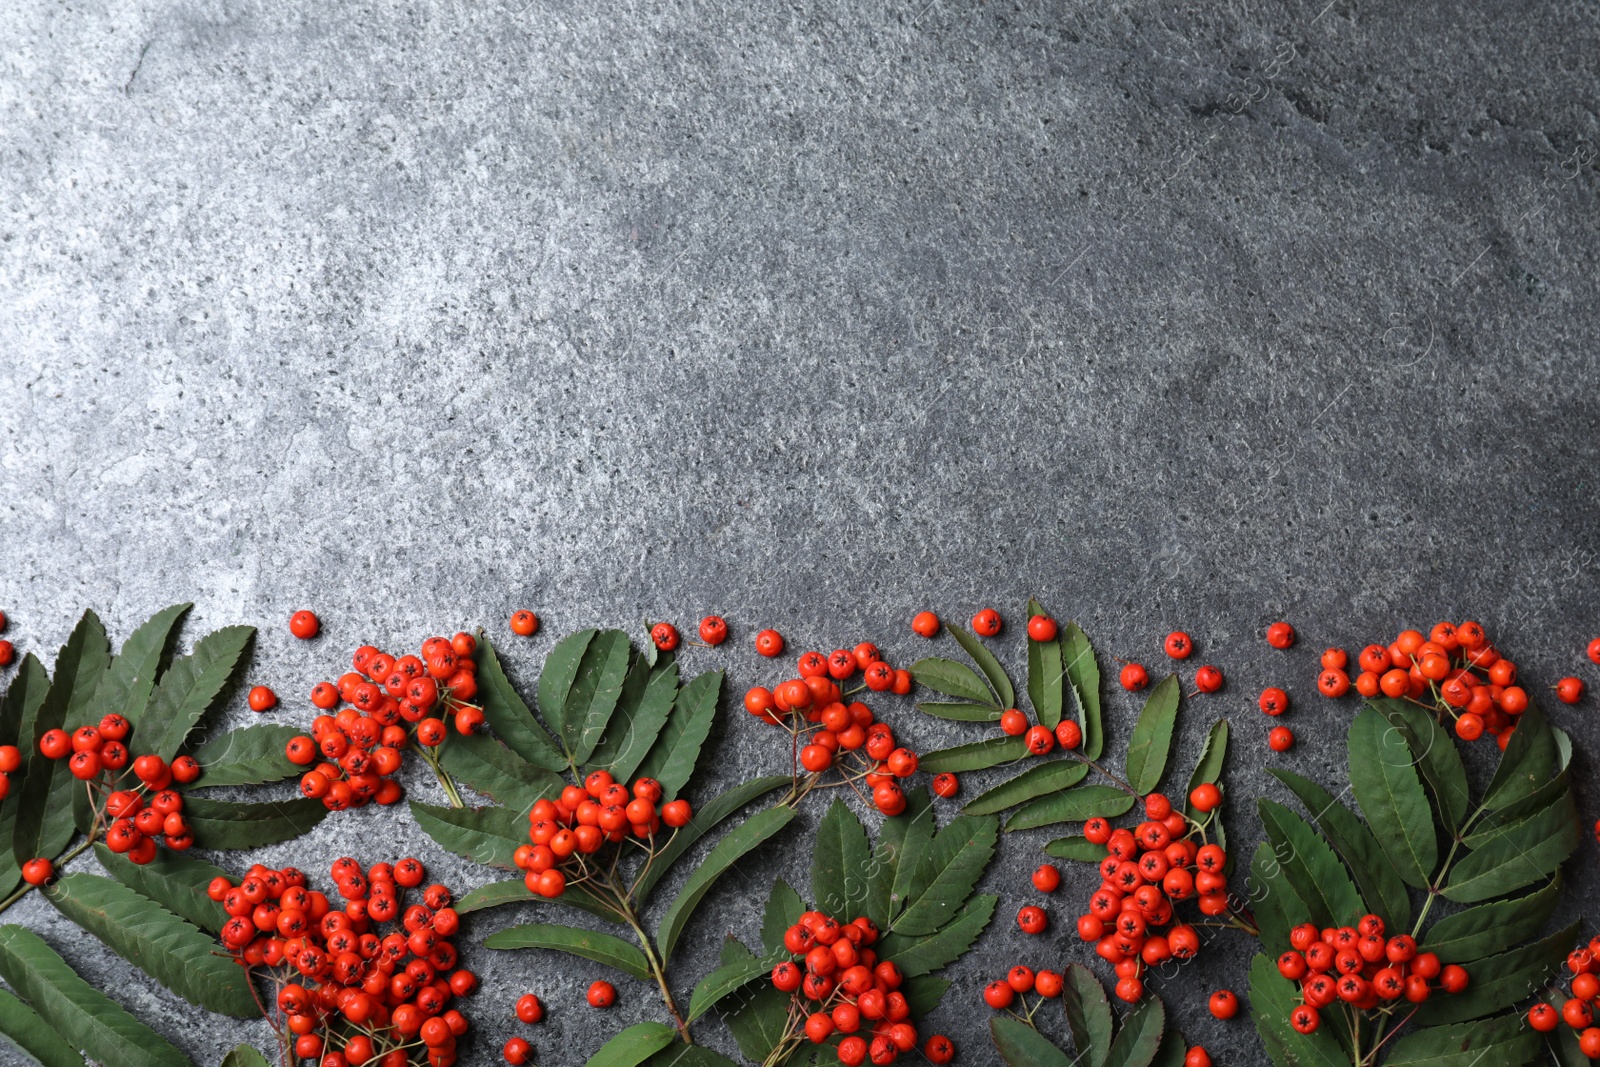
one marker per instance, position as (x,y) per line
(1594,650)
(262,699)
(713,629)
(1543,1018)
(1333,682)
(939,1049)
(1040,740)
(1014,722)
(986,623)
(1178,645)
(1069,735)
(1032,920)
(1133,677)
(517,1051)
(946,785)
(769,643)
(665,636)
(1042,628)
(1208,679)
(1205,797)
(37,871)
(524,623)
(1454,978)
(1280,635)
(1046,879)
(1280,739)
(1305,1019)
(998,995)
(1569,690)
(304,625)
(926,624)
(1223,1004)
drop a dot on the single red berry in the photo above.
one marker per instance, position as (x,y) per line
(1197,1057)
(524,623)
(262,699)
(516,1052)
(1223,1004)
(1333,683)
(1569,690)
(713,629)
(1273,701)
(986,623)
(1134,677)
(1014,722)
(529,1010)
(1178,645)
(1032,920)
(1454,978)
(1208,679)
(1589,1043)
(1543,1017)
(8,652)
(37,871)
(946,785)
(1040,740)
(602,994)
(769,643)
(1280,739)
(1069,735)
(999,995)
(1594,650)
(1305,1019)
(1042,628)
(304,625)
(939,1049)
(1280,635)
(1205,797)
(1046,879)
(665,636)
(926,624)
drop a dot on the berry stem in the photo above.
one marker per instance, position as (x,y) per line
(447,783)
(657,965)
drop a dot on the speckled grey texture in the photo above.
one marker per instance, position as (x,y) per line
(814,316)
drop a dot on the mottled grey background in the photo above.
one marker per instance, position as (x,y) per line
(811,315)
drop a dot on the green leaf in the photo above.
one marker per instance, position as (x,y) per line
(924,955)
(759,1021)
(1386,785)
(1075,848)
(86,1018)
(956,711)
(1504,1042)
(633,1046)
(1275,904)
(641,714)
(594,693)
(954,680)
(1140,1036)
(490,768)
(1489,928)
(18,708)
(1272,998)
(1152,736)
(977,756)
(166,947)
(703,822)
(923,993)
(1208,768)
(1531,759)
(509,716)
(188,689)
(840,863)
(900,844)
(729,978)
(986,663)
(1380,886)
(1316,874)
(223,824)
(174,880)
(690,1055)
(251,755)
(783,910)
(1088,1014)
(1074,805)
(21,1026)
(484,835)
(129,678)
(1172,1051)
(601,948)
(515,891)
(734,845)
(673,757)
(1020,1045)
(1084,675)
(1049,777)
(1047,675)
(1436,758)
(245,1056)
(1517,855)
(556,680)
(1502,980)
(949,870)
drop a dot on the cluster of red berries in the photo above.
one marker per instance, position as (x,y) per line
(1178,645)
(361,744)
(136,819)
(565,831)
(1362,968)
(1148,870)
(1577,1011)
(812,708)
(350,994)
(841,986)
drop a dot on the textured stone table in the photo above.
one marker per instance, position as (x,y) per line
(813,316)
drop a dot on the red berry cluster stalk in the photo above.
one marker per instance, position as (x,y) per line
(1577,1009)
(347,992)
(838,986)
(389,703)
(828,734)
(567,834)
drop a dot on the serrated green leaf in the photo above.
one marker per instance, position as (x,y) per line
(1436,758)
(21,1026)
(83,1016)
(174,880)
(783,910)
(954,680)
(251,755)
(1274,903)
(1503,1042)
(509,715)
(986,662)
(1088,1014)
(188,689)
(601,948)
(245,1056)
(725,980)
(949,869)
(923,993)
(923,955)
(956,711)
(1311,867)
(1517,855)
(1489,928)
(1152,736)
(1075,848)
(840,863)
(515,891)
(1531,759)
(690,1056)
(1488,826)
(223,824)
(1380,886)
(165,946)
(1020,1045)
(1272,998)
(1500,981)
(1050,777)
(1047,675)
(1387,788)
(1074,805)
(724,854)
(130,677)
(1208,768)
(702,823)
(1172,1051)
(18,708)
(977,756)
(1083,674)
(642,712)
(491,769)
(759,1021)
(633,1046)
(900,842)
(489,836)
(1140,1036)
(556,680)
(673,757)
(595,690)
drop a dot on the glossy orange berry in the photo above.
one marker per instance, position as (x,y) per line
(1333,682)
(1042,628)
(1454,978)
(1280,635)
(1543,1018)
(676,813)
(1594,650)
(1046,879)
(1178,645)
(1040,739)
(304,625)
(999,995)
(1577,1013)
(1129,990)
(324,695)
(1133,677)
(516,1051)
(1197,1057)
(602,994)
(939,1049)
(926,624)
(37,871)
(769,643)
(1223,1004)
(1032,920)
(986,623)
(55,744)
(529,1009)
(665,636)
(524,623)
(1305,1019)
(1513,700)
(946,785)
(1280,739)
(713,629)
(1020,978)
(1208,679)
(262,699)
(1013,723)
(1273,701)
(1469,726)
(1569,690)
(1069,735)
(1205,797)
(1589,1043)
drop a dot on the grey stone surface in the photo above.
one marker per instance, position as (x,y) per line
(814,316)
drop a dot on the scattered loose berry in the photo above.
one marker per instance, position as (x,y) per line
(946,785)
(602,994)
(665,636)
(1205,797)
(1208,679)
(1594,650)
(304,625)
(713,629)
(524,623)
(1069,735)
(1134,677)
(1032,920)
(1273,701)
(262,699)
(1046,879)
(1280,635)
(529,1009)
(1223,1004)
(769,643)
(8,652)
(1569,690)
(1280,739)
(986,623)
(1197,1057)
(1013,722)
(1178,645)
(939,1049)
(1042,628)
(926,624)
(516,1051)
